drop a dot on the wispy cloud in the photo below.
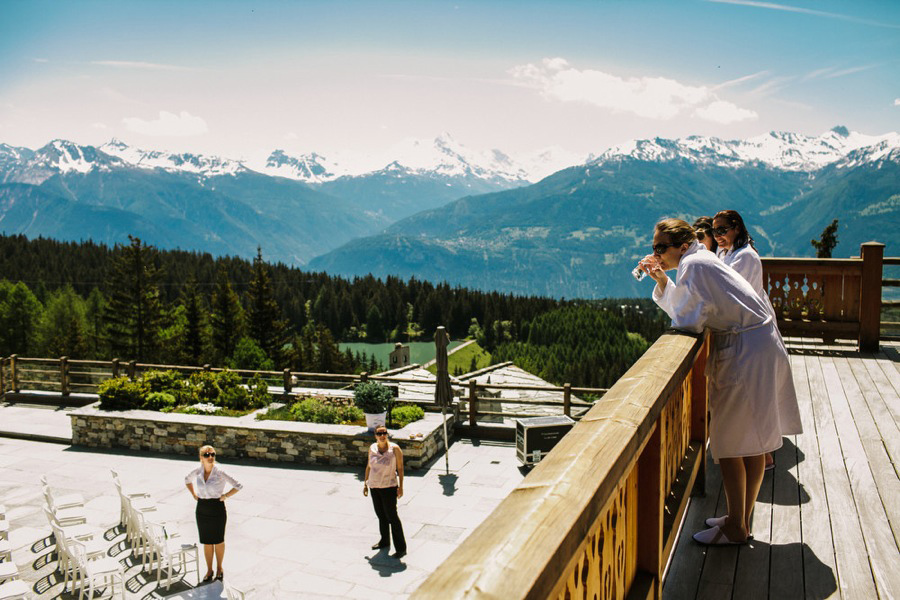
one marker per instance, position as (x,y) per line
(146,66)
(771,86)
(40,60)
(807,11)
(168,125)
(850,71)
(740,80)
(896,101)
(649,97)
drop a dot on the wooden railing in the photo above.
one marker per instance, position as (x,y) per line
(829,298)
(598,517)
(66,376)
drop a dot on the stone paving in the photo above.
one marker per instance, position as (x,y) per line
(293,532)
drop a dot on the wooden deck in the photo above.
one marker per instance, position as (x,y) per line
(827,523)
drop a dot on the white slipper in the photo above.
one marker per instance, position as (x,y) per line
(714,537)
(720,522)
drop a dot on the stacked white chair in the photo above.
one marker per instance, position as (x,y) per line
(94,549)
(14,590)
(68,515)
(11,587)
(168,552)
(65,501)
(125,495)
(232,593)
(74,531)
(106,571)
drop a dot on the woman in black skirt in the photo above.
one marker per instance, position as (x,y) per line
(206,484)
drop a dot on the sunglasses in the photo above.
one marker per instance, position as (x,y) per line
(701,233)
(721,230)
(381,433)
(209,455)
(660,248)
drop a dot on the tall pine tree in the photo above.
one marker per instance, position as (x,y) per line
(227,318)
(193,344)
(133,314)
(266,325)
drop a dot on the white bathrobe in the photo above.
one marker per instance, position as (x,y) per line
(752,402)
(746,261)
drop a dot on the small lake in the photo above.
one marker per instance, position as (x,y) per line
(419,352)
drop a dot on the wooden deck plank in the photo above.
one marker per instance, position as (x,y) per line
(815,525)
(885,388)
(883,471)
(751,578)
(854,574)
(683,578)
(786,571)
(888,428)
(890,367)
(878,539)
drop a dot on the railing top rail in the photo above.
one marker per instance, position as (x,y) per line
(520,549)
(891,260)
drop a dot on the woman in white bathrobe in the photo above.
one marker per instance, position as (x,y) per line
(736,249)
(752,402)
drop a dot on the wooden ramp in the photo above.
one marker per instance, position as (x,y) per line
(827,523)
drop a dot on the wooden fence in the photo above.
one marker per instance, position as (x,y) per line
(67,376)
(598,517)
(830,298)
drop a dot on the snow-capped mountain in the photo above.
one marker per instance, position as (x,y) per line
(310,168)
(779,150)
(58,157)
(197,164)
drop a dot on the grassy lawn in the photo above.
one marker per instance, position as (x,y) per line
(462,359)
(419,352)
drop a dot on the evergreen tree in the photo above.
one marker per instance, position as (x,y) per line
(134,312)
(827,241)
(193,343)
(63,324)
(226,318)
(266,324)
(20,312)
(374,325)
(95,307)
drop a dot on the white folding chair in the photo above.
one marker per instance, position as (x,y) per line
(78,531)
(5,550)
(74,515)
(94,548)
(13,590)
(8,570)
(170,552)
(106,571)
(140,500)
(64,501)
(4,529)
(232,593)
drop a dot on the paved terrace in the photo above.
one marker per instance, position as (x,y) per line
(827,523)
(293,532)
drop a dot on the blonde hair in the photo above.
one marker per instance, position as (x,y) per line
(204,448)
(680,232)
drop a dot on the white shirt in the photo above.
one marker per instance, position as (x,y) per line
(214,486)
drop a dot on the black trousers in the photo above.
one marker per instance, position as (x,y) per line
(385,502)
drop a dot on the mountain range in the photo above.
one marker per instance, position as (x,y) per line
(440,211)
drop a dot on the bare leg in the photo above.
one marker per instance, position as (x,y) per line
(754,469)
(734,478)
(208,555)
(770,460)
(220,554)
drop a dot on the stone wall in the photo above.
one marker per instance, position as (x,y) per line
(302,443)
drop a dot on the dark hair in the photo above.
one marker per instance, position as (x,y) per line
(704,225)
(734,219)
(679,231)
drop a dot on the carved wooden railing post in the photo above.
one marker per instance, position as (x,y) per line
(364,377)
(64,375)
(13,373)
(2,376)
(115,367)
(650,505)
(473,403)
(872,254)
(132,369)
(567,399)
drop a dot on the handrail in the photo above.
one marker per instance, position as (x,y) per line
(598,496)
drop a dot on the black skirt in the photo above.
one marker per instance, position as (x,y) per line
(211,518)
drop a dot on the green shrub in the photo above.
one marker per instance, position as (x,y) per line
(314,410)
(401,416)
(120,393)
(372,397)
(204,387)
(159,401)
(170,382)
(259,392)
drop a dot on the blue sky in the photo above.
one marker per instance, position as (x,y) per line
(243,78)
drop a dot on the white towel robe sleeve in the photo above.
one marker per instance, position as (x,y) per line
(752,402)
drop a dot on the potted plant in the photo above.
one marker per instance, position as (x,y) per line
(374,400)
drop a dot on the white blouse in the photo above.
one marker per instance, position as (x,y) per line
(214,486)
